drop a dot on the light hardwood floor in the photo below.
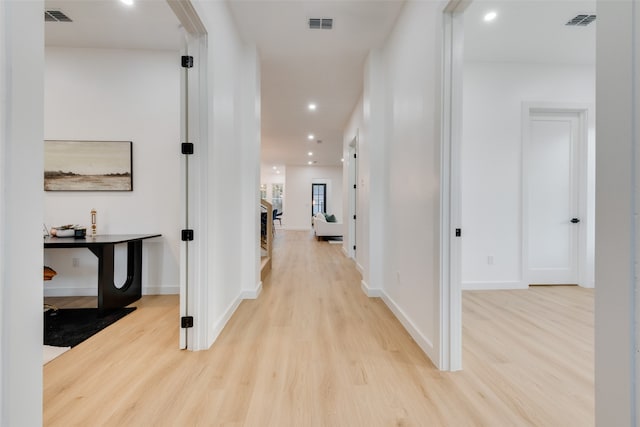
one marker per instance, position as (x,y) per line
(313,350)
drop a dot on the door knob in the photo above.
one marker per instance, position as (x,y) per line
(575,220)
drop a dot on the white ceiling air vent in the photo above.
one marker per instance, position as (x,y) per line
(56,16)
(320,23)
(582,20)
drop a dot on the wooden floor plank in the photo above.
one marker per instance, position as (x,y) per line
(313,350)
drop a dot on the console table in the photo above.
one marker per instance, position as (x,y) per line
(102,246)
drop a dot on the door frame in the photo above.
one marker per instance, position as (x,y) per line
(193,123)
(450,332)
(580,161)
(352,171)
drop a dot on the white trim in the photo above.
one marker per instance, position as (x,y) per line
(198,291)
(252,293)
(352,195)
(490,286)
(161,290)
(218,326)
(91,291)
(297,228)
(345,252)
(370,292)
(70,292)
(359,268)
(188,17)
(423,342)
(449,350)
(193,271)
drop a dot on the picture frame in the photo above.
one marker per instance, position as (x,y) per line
(88,165)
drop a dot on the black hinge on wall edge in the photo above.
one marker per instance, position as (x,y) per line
(187,235)
(354,186)
(187,148)
(354,217)
(186,322)
(458,232)
(355,156)
(354,247)
(187,61)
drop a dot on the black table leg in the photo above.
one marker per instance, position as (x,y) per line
(110,296)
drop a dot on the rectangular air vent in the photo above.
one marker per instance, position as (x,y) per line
(56,16)
(320,23)
(582,20)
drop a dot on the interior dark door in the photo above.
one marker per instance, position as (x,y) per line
(318,198)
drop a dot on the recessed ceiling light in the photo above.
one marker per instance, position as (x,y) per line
(342,159)
(310,137)
(310,153)
(490,16)
(277,172)
(312,107)
(127,2)
(275,167)
(309,162)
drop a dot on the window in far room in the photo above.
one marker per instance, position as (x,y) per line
(276,196)
(263,191)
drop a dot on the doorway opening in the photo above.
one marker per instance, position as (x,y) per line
(485,151)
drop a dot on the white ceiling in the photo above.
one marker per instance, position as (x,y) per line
(529,31)
(149,24)
(300,65)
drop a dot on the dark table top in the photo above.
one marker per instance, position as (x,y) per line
(101,239)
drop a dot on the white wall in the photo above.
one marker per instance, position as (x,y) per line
(491,162)
(298,193)
(227,155)
(617,307)
(21,134)
(398,119)
(118,95)
(249,131)
(372,178)
(412,61)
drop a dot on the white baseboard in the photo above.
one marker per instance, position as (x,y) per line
(359,268)
(218,325)
(252,293)
(492,286)
(71,292)
(92,291)
(423,342)
(370,292)
(161,290)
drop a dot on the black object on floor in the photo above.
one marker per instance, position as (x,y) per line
(68,327)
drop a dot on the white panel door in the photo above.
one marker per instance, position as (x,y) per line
(551,176)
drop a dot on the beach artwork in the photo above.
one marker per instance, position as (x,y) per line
(87,166)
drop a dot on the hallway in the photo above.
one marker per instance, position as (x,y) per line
(313,350)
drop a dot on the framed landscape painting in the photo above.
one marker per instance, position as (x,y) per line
(88,166)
